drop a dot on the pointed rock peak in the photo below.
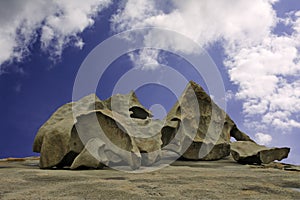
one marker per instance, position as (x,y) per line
(134,98)
(195,86)
(198,90)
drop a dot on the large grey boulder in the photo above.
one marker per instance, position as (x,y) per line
(246,152)
(199,129)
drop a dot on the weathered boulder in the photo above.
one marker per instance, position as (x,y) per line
(202,129)
(138,123)
(113,141)
(246,152)
(56,137)
(87,133)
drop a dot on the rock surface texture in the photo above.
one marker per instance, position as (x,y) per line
(222,179)
(119,131)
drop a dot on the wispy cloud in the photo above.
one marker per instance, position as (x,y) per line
(18,87)
(59,24)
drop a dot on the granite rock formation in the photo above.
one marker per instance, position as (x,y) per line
(120,131)
(57,140)
(251,153)
(201,124)
(61,146)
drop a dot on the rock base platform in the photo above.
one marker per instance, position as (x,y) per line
(222,179)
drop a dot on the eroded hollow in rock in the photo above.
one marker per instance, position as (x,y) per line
(169,133)
(139,113)
(67,160)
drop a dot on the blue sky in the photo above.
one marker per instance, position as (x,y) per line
(255,45)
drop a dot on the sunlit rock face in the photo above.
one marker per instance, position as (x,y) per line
(93,133)
(120,131)
(204,127)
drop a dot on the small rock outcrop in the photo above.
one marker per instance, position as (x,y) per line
(251,153)
(119,131)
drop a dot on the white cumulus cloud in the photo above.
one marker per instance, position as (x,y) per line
(146,59)
(263,139)
(59,23)
(267,74)
(204,21)
(264,65)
